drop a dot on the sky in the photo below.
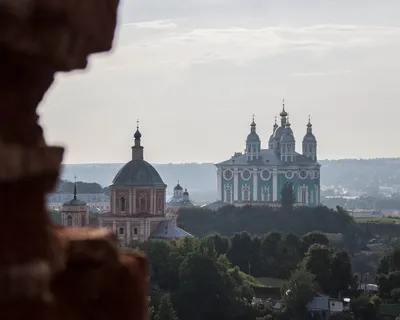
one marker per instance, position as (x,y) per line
(195,71)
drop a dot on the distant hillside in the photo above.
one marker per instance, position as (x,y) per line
(200,179)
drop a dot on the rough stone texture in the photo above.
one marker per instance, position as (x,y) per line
(49,272)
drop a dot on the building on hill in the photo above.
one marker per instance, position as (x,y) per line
(137,199)
(258,175)
(75,213)
(180,199)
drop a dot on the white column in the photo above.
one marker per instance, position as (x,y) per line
(255,185)
(275,185)
(235,184)
(142,233)
(155,201)
(114,226)
(219,184)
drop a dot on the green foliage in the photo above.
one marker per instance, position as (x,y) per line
(260,220)
(165,311)
(288,196)
(389,274)
(298,291)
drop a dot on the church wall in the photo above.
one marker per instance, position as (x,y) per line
(160,200)
(143,200)
(245,185)
(119,193)
(264,184)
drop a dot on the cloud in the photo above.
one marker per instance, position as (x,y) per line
(157,24)
(319,74)
(161,43)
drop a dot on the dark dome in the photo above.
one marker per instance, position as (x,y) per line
(178,187)
(138,173)
(137,134)
(309,137)
(253,137)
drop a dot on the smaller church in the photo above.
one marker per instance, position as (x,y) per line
(137,202)
(75,213)
(179,200)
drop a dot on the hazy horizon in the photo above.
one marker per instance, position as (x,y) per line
(195,72)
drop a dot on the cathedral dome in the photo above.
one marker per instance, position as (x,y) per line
(138,173)
(253,137)
(288,134)
(309,137)
(178,187)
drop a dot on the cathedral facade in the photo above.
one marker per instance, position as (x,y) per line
(258,175)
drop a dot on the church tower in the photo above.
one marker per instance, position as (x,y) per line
(253,143)
(75,213)
(288,144)
(310,143)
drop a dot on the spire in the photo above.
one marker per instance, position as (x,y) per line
(75,188)
(309,125)
(137,149)
(283,113)
(253,125)
(275,125)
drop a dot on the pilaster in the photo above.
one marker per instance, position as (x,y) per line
(235,184)
(255,185)
(274,184)
(219,184)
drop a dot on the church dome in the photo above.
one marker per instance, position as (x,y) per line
(138,173)
(279,133)
(288,134)
(253,137)
(178,187)
(309,137)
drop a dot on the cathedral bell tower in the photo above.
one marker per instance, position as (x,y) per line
(253,143)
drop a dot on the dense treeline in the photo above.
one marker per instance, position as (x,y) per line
(261,220)
(65,186)
(203,279)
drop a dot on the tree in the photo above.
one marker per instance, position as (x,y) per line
(207,284)
(341,273)
(318,262)
(314,237)
(288,196)
(165,311)
(297,292)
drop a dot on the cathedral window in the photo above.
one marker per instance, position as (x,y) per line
(265,194)
(289,148)
(283,148)
(122,204)
(143,203)
(311,196)
(160,203)
(303,196)
(310,147)
(121,231)
(69,221)
(246,193)
(265,175)
(228,174)
(135,231)
(246,175)
(228,193)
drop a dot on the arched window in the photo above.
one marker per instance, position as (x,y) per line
(228,194)
(69,221)
(283,148)
(159,203)
(246,195)
(311,196)
(303,196)
(122,204)
(265,195)
(143,204)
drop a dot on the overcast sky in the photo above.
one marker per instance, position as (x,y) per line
(194,72)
